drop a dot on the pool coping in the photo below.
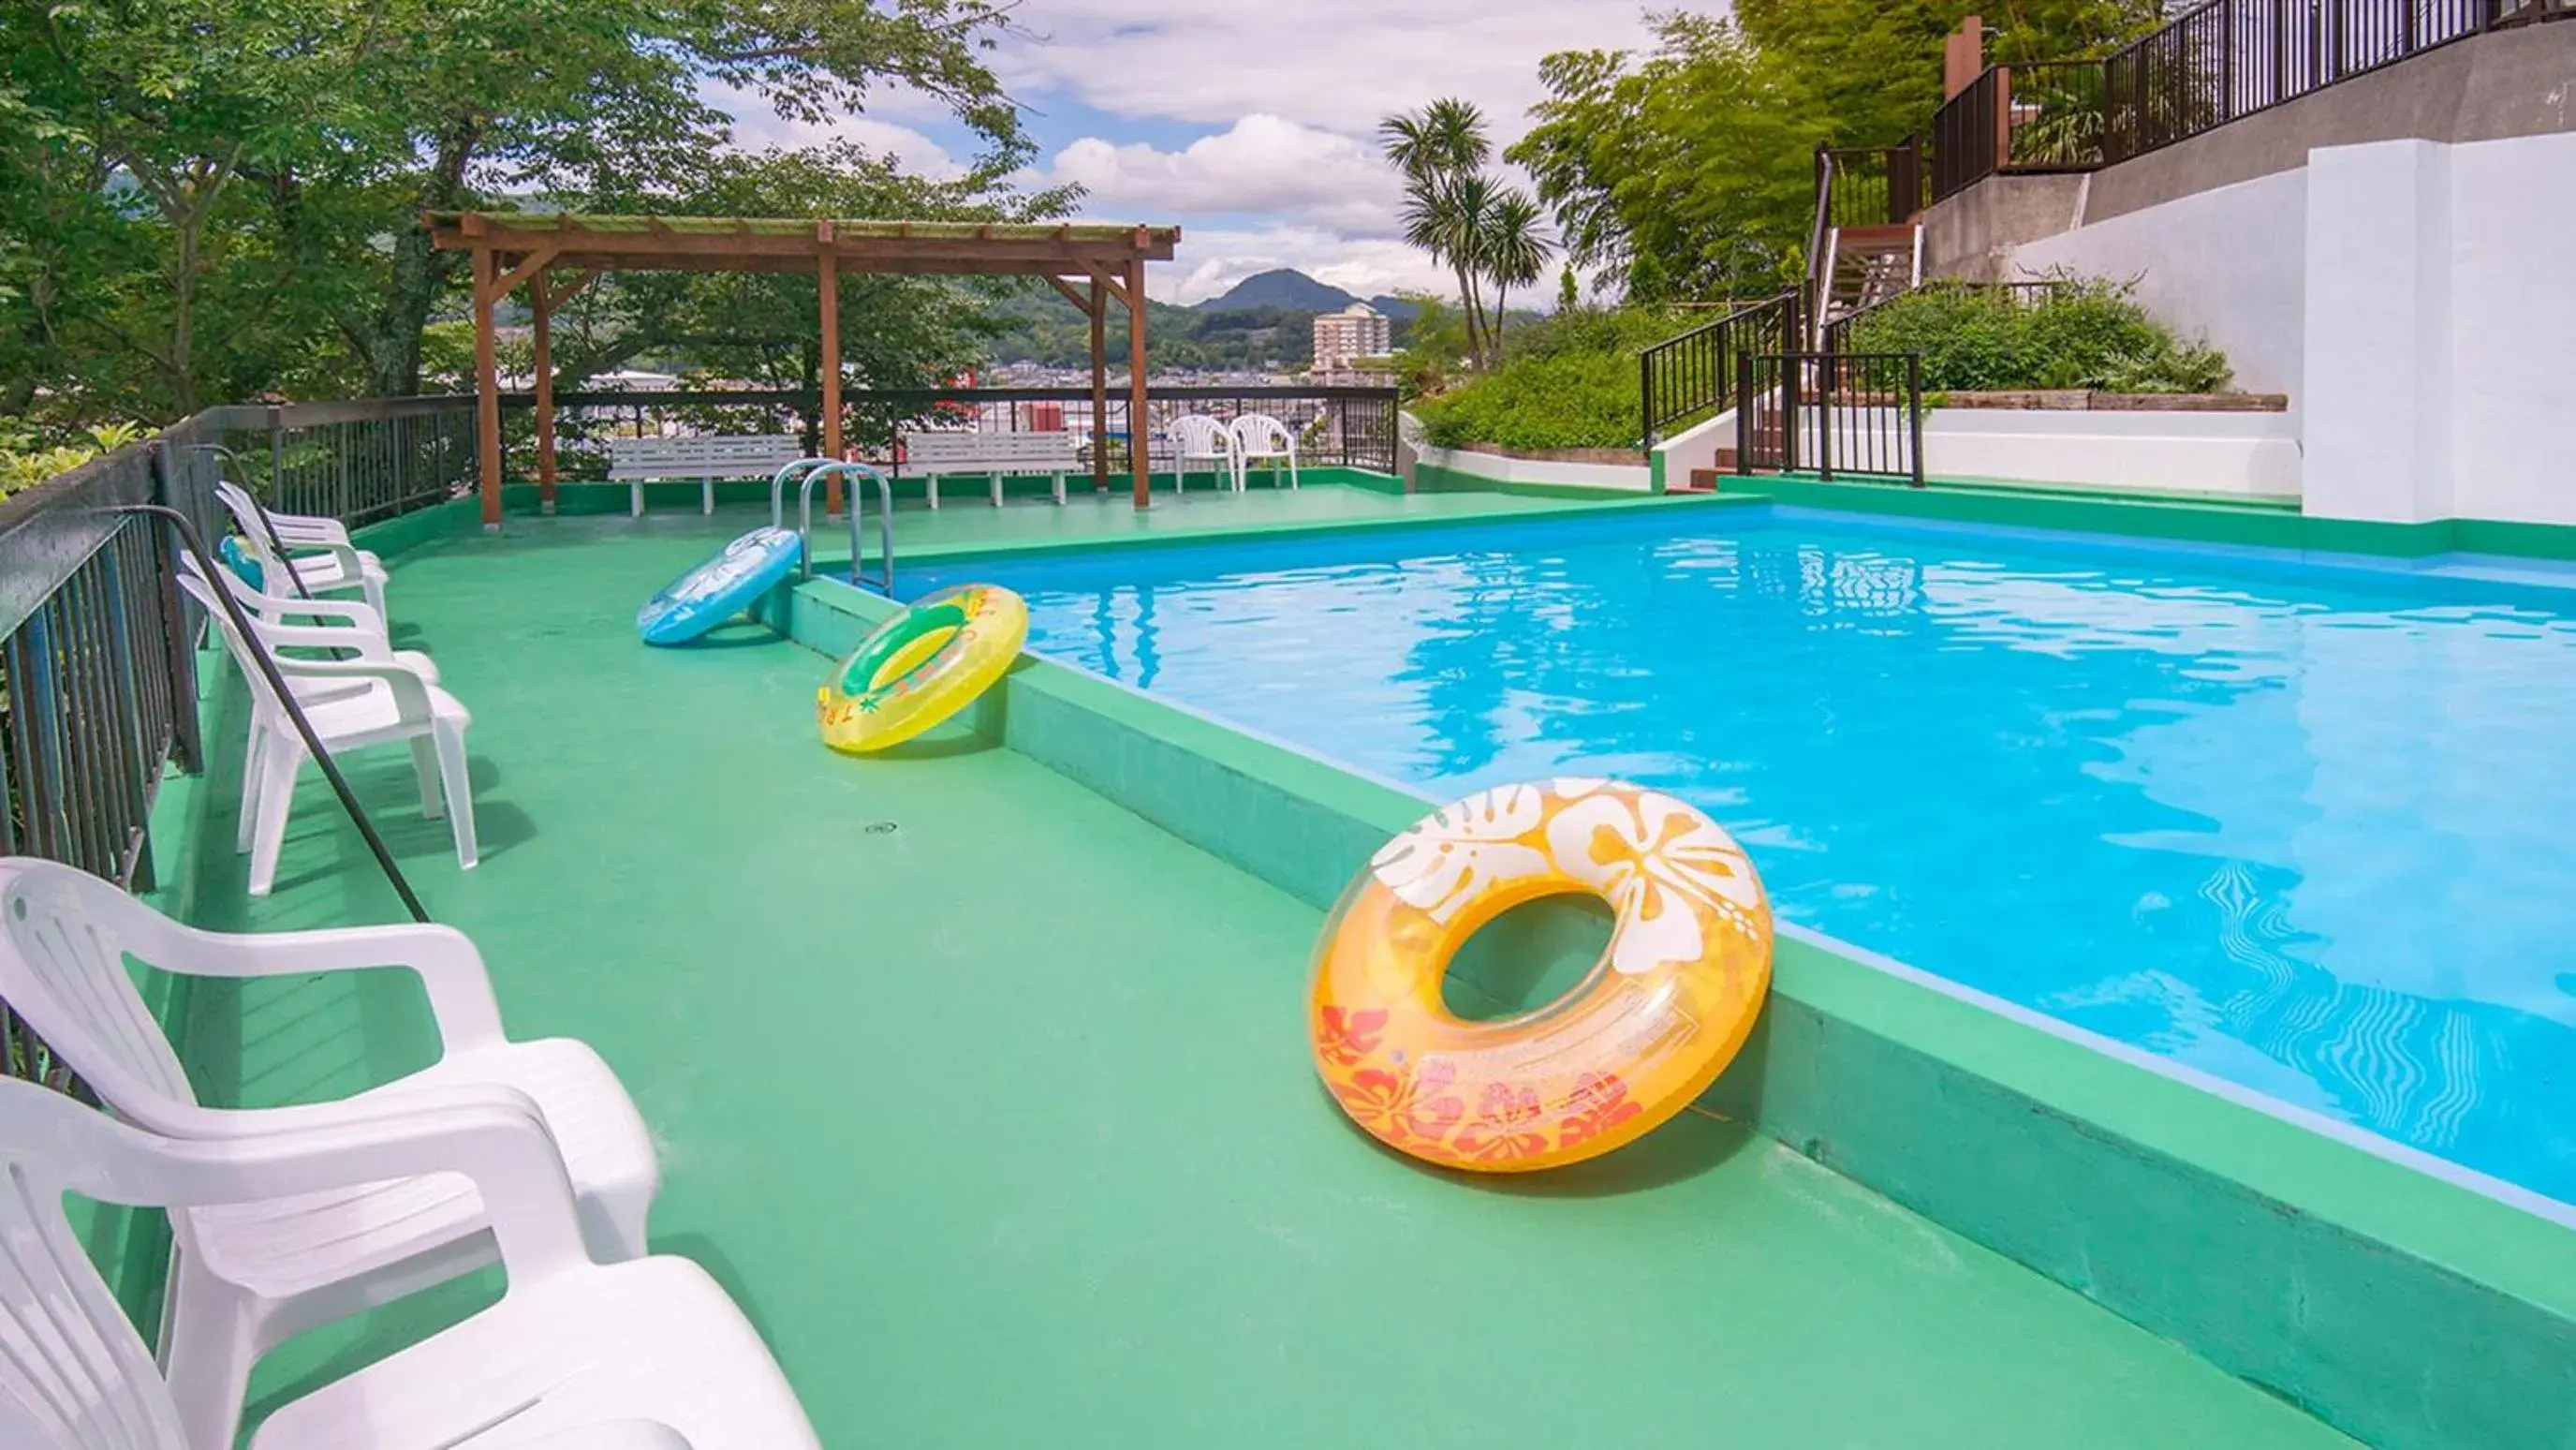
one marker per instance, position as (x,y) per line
(2398,1297)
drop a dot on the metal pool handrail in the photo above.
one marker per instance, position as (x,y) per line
(885,519)
(778,487)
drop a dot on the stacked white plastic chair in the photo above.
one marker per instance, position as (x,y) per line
(318,551)
(351,704)
(641,1355)
(1258,437)
(269,1250)
(1197,438)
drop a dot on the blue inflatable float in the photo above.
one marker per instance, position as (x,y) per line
(720,588)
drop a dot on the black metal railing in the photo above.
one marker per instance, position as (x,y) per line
(1347,426)
(1875,186)
(1686,379)
(360,462)
(1836,414)
(98,684)
(2220,61)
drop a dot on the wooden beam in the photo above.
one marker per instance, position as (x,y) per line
(830,269)
(541,306)
(1138,444)
(1099,310)
(560,290)
(1073,294)
(1100,277)
(487,388)
(529,266)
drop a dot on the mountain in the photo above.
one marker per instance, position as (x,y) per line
(1286,289)
(1397,310)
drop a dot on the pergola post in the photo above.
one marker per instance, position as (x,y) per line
(541,306)
(487,385)
(830,268)
(1138,443)
(1099,388)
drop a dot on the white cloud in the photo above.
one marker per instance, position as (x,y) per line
(1264,166)
(757,126)
(1334,64)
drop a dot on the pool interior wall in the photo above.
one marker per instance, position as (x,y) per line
(2370,1288)
(2402,1309)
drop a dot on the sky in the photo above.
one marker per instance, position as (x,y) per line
(1248,123)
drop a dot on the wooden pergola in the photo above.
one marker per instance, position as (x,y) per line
(556,254)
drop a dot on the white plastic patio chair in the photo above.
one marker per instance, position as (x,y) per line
(351,704)
(1197,438)
(1260,436)
(332,624)
(256,1269)
(311,530)
(573,1355)
(333,568)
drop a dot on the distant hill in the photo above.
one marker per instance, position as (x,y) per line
(1286,289)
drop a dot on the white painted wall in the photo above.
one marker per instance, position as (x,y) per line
(1622,477)
(2512,302)
(1695,447)
(2224,264)
(2379,330)
(2236,454)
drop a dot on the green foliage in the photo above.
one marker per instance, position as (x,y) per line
(1038,326)
(2076,334)
(1688,173)
(1570,383)
(26,460)
(1486,230)
(207,199)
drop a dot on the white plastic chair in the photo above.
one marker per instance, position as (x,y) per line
(572,1355)
(333,568)
(256,1269)
(1198,438)
(318,531)
(332,624)
(351,704)
(1260,436)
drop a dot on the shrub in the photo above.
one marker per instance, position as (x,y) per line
(1569,381)
(25,461)
(2078,334)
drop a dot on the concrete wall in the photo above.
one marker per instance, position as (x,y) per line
(2229,454)
(1970,237)
(2513,344)
(2225,265)
(1628,477)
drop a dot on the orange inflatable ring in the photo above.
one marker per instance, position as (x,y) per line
(1647,1030)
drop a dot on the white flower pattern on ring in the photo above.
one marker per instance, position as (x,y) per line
(1670,857)
(1456,853)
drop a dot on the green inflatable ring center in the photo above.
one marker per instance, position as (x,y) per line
(899,634)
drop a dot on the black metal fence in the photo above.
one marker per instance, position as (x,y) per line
(357,462)
(1836,414)
(98,685)
(1352,427)
(2217,62)
(1874,186)
(1683,380)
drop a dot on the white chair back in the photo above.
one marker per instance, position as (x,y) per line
(1258,435)
(64,939)
(1200,436)
(73,1374)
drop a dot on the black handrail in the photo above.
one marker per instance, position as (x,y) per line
(207,564)
(1837,413)
(1694,373)
(2218,62)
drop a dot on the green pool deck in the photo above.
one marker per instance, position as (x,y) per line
(990,1101)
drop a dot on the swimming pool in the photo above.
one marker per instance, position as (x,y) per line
(2310,830)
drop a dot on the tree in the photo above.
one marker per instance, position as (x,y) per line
(1441,151)
(1686,173)
(1511,250)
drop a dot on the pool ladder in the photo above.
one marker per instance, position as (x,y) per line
(815,470)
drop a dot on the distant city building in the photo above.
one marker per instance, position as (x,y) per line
(1357,331)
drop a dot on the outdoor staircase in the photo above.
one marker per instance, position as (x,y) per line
(1861,267)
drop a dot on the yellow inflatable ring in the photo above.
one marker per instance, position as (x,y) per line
(922,666)
(1647,1030)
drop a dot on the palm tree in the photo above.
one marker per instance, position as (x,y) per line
(1510,249)
(1440,149)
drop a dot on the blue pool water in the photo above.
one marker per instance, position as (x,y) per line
(2311,831)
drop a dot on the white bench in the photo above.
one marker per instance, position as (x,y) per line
(631,461)
(936,453)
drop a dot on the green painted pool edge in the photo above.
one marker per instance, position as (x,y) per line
(2400,1308)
